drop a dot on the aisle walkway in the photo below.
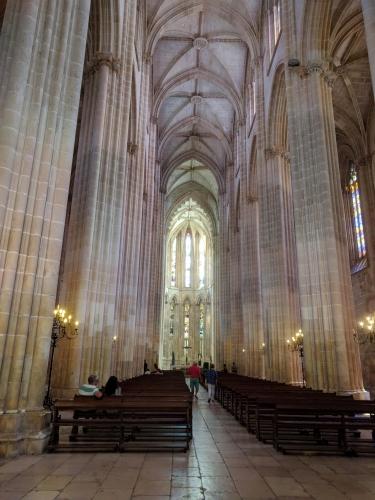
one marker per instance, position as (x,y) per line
(224,463)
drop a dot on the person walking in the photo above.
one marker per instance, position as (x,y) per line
(211,378)
(194,373)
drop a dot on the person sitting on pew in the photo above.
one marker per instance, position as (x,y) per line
(111,386)
(225,369)
(91,389)
(234,368)
(157,370)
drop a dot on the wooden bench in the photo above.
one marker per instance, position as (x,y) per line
(151,416)
(325,427)
(299,419)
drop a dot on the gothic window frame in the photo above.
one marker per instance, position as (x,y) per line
(273,15)
(188,259)
(355,227)
(173,267)
(187,308)
(202,259)
(172,314)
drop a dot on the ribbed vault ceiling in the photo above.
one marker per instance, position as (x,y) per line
(199,64)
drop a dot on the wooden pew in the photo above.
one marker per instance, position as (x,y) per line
(149,416)
(339,424)
(346,427)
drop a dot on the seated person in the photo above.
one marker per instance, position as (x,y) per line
(234,368)
(157,370)
(111,386)
(91,389)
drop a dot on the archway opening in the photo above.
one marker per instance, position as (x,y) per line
(190,267)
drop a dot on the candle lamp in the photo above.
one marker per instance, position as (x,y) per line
(365,332)
(295,344)
(62,326)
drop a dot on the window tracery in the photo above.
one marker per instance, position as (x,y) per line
(274,25)
(356,236)
(188,260)
(173,262)
(186,323)
(171,317)
(202,261)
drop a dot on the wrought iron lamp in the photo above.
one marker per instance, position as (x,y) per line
(62,326)
(365,333)
(295,344)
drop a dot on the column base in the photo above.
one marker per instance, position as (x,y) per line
(24,432)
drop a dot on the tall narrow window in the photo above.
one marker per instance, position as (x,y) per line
(173,263)
(186,323)
(171,317)
(201,319)
(202,260)
(188,260)
(274,25)
(357,222)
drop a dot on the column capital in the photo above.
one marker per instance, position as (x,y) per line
(102,59)
(321,67)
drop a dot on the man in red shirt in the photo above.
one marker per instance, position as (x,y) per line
(194,373)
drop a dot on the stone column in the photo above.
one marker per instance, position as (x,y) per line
(250,284)
(128,282)
(279,284)
(149,288)
(368,11)
(332,357)
(42,49)
(94,243)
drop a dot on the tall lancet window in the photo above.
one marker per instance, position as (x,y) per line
(202,260)
(201,319)
(188,260)
(171,317)
(173,263)
(357,222)
(186,323)
(274,24)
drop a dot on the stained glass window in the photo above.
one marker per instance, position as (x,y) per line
(274,24)
(201,320)
(359,235)
(186,320)
(173,263)
(188,260)
(171,317)
(202,260)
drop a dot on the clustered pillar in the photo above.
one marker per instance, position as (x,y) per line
(42,53)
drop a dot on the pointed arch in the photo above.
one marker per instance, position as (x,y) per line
(277,116)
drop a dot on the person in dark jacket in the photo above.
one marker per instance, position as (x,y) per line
(111,386)
(211,378)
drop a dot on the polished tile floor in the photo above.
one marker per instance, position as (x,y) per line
(224,463)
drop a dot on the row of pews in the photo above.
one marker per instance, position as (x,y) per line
(154,412)
(298,420)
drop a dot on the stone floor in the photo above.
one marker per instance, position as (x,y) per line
(224,463)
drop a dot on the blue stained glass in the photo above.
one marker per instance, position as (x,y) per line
(357,213)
